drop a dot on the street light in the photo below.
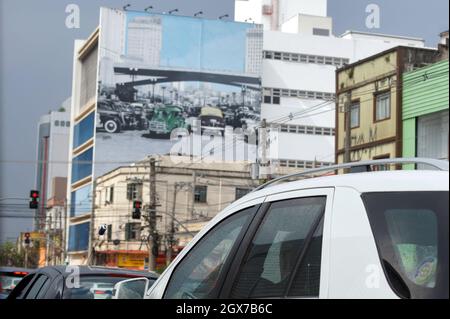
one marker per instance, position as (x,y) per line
(198,13)
(172,11)
(125,7)
(148,8)
(224,16)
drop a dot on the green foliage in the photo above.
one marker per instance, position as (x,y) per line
(10,256)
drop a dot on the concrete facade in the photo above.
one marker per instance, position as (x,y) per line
(192,192)
(372,90)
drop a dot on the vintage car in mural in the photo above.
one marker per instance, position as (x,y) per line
(212,121)
(110,117)
(166,119)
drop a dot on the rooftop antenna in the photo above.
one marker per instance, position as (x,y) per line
(148,8)
(198,13)
(125,7)
(172,11)
(224,16)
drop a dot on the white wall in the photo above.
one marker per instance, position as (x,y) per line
(289,8)
(313,77)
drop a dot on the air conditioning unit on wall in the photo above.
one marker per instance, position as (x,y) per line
(267,10)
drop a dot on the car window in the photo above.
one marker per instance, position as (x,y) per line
(197,275)
(94,287)
(411,231)
(274,254)
(21,288)
(36,287)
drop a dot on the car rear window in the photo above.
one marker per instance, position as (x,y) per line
(93,287)
(411,232)
(8,282)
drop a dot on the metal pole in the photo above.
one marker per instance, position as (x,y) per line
(47,244)
(170,238)
(194,183)
(152,238)
(91,252)
(348,127)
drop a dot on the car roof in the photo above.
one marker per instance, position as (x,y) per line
(15,269)
(382,181)
(96,270)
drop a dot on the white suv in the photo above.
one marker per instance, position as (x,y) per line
(362,235)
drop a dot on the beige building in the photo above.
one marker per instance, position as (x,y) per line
(369,95)
(195,192)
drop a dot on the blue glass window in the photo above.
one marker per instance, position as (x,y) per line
(79,237)
(81,201)
(82,165)
(84,130)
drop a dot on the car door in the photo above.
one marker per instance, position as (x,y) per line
(200,268)
(285,252)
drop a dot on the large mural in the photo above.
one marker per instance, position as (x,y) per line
(176,85)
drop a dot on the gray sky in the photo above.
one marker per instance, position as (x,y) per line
(36,51)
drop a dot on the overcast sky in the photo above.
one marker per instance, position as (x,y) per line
(36,51)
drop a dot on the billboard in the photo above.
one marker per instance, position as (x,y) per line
(176,85)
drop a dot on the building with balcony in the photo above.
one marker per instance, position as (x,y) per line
(189,194)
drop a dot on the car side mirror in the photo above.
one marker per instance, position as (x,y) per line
(131,288)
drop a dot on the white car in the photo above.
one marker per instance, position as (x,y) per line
(363,235)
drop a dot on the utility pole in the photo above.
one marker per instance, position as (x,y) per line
(47,244)
(91,252)
(171,235)
(64,233)
(153,235)
(263,144)
(348,126)
(194,183)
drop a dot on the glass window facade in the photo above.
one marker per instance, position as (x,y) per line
(79,237)
(84,130)
(82,165)
(81,201)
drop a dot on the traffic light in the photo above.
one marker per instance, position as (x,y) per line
(27,240)
(34,199)
(137,205)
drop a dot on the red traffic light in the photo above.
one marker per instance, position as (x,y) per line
(34,194)
(137,205)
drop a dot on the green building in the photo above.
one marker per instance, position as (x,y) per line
(425,112)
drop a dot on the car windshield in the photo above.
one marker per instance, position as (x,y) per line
(93,287)
(411,231)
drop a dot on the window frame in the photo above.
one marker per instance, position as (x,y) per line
(252,230)
(376,95)
(356,105)
(233,252)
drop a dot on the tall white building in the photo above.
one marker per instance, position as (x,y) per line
(144,40)
(52,152)
(300,57)
(254,47)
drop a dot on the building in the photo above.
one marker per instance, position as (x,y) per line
(56,223)
(369,103)
(254,47)
(52,156)
(144,40)
(272,14)
(299,86)
(425,112)
(79,174)
(192,192)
